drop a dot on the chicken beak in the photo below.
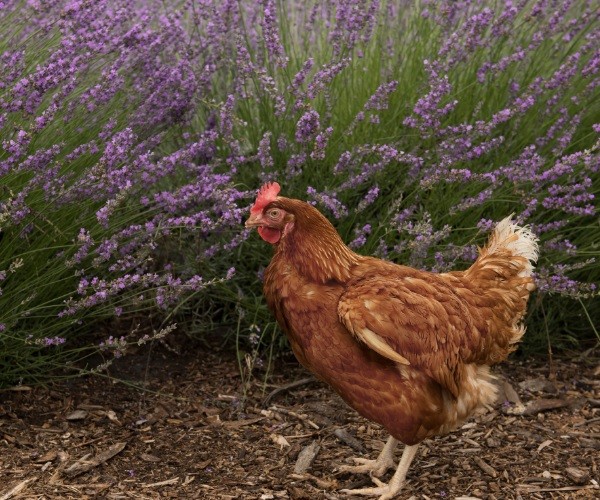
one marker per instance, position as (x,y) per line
(255,220)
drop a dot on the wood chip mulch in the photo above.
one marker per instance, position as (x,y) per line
(199,431)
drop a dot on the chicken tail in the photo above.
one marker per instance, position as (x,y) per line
(503,273)
(508,255)
(519,242)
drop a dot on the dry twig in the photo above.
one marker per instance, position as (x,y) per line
(83,465)
(301,417)
(287,387)
(18,488)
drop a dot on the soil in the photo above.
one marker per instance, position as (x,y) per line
(199,429)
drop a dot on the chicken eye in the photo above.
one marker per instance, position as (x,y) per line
(273,213)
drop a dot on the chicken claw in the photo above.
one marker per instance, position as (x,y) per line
(390,490)
(375,468)
(378,467)
(385,491)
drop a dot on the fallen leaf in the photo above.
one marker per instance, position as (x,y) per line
(77,415)
(147,457)
(507,393)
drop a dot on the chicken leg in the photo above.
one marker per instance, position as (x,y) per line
(390,490)
(378,467)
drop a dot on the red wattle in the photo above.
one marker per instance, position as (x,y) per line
(269,234)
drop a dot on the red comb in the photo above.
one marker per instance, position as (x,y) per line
(266,195)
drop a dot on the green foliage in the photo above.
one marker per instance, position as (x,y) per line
(425,103)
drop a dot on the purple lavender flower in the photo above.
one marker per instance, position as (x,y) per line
(321,141)
(370,197)
(295,164)
(300,78)
(429,110)
(125,143)
(118,346)
(354,22)
(52,341)
(325,76)
(264,151)
(360,236)
(307,127)
(271,33)
(329,201)
(379,100)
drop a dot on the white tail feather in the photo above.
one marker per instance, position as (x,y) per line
(524,245)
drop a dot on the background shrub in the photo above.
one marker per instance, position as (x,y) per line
(134,136)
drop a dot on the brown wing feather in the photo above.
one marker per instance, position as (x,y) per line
(418,320)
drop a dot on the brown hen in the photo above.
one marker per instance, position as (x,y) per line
(405,348)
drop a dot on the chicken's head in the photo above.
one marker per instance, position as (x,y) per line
(272,221)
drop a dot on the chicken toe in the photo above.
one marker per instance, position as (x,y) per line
(391,489)
(383,492)
(378,467)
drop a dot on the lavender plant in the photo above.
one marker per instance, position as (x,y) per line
(135,133)
(111,203)
(415,127)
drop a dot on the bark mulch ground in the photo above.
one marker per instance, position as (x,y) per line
(199,431)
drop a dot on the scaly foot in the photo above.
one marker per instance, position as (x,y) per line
(384,491)
(376,468)
(390,490)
